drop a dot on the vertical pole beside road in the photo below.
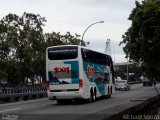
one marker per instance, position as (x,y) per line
(127,68)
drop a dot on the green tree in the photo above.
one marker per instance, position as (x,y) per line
(18,37)
(142,38)
(23,45)
(134,72)
(54,38)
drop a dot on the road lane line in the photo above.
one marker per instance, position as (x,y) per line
(9,110)
(47,104)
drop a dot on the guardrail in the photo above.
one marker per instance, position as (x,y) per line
(25,93)
(20,90)
(20,94)
(135,82)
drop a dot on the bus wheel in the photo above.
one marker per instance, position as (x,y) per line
(92,96)
(95,93)
(109,92)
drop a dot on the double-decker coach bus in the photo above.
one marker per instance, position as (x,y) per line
(75,72)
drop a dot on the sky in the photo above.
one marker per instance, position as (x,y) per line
(75,16)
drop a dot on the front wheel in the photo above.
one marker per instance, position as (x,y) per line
(92,96)
(109,92)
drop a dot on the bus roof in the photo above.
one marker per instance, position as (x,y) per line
(80,47)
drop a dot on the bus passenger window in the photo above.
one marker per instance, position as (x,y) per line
(106,78)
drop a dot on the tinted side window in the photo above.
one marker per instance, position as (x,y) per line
(94,57)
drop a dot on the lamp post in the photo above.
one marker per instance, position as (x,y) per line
(127,68)
(87,29)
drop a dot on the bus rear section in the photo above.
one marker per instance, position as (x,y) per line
(62,68)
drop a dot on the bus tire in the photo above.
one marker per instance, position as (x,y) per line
(92,96)
(109,92)
(95,93)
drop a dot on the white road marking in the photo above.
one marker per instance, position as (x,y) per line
(9,110)
(47,104)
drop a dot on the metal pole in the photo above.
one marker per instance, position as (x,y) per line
(87,29)
(127,68)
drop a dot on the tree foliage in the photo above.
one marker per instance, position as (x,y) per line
(134,72)
(142,38)
(23,44)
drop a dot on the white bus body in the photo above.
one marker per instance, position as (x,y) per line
(75,72)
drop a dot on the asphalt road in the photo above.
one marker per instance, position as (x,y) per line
(47,109)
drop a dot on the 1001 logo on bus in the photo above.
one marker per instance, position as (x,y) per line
(90,71)
(61,69)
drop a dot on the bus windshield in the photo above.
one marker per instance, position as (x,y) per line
(62,53)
